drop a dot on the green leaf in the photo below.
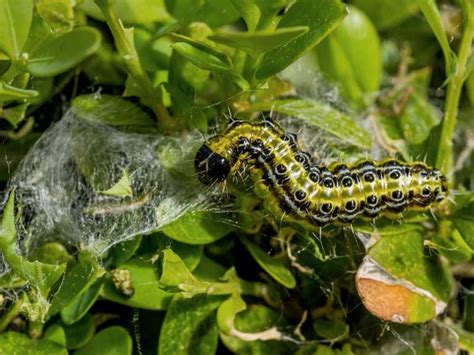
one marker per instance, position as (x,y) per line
(432,15)
(259,13)
(277,269)
(18,343)
(213,13)
(207,61)
(189,254)
(323,116)
(351,56)
(403,257)
(387,13)
(58,14)
(76,282)
(122,188)
(257,43)
(123,251)
(15,22)
(418,119)
(55,333)
(203,46)
(56,55)
(453,247)
(51,253)
(173,274)
(190,326)
(320,16)
(110,110)
(147,295)
(332,330)
(80,305)
(113,340)
(198,227)
(79,333)
(463,219)
(144,12)
(15,114)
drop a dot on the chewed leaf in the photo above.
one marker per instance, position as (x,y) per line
(389,300)
(398,282)
(122,188)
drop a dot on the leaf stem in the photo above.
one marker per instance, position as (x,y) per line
(444,159)
(125,45)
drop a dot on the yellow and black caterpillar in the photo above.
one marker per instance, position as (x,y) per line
(310,194)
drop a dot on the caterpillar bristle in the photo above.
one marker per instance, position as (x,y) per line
(312,194)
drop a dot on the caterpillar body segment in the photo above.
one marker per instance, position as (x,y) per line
(310,194)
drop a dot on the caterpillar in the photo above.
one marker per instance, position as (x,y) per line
(310,194)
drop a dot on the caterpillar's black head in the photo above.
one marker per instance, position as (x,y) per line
(210,166)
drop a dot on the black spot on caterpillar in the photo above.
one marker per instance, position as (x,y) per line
(306,193)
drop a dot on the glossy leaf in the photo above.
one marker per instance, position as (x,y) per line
(114,340)
(210,62)
(123,251)
(214,13)
(80,305)
(259,13)
(56,55)
(79,333)
(190,326)
(351,56)
(332,330)
(15,22)
(387,13)
(131,12)
(257,43)
(198,227)
(322,116)
(320,16)
(277,269)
